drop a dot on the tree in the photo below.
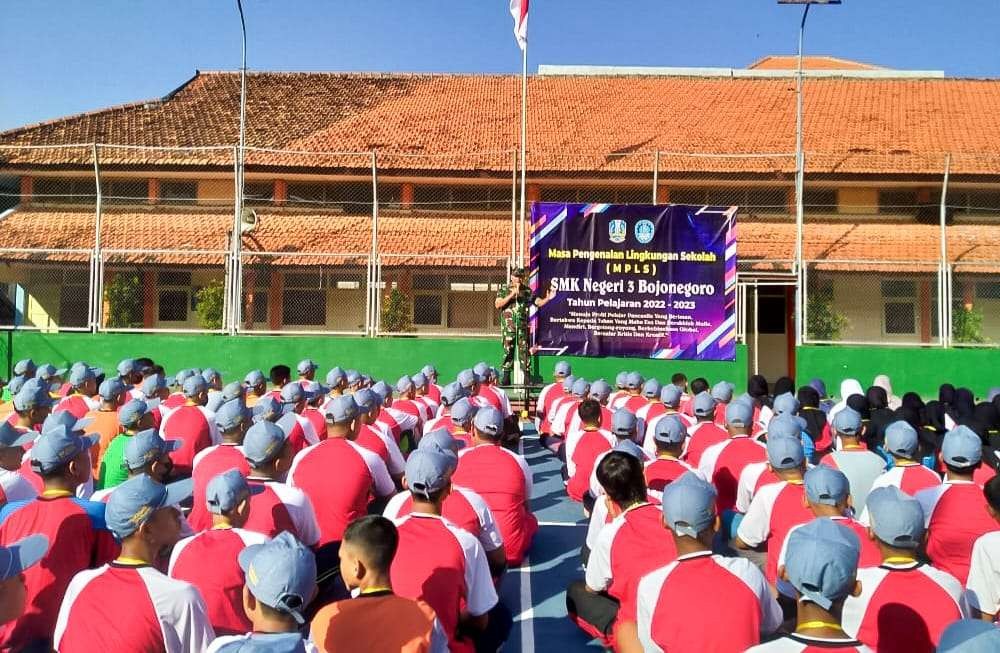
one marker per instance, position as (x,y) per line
(124,295)
(397,316)
(209,305)
(824,322)
(967,325)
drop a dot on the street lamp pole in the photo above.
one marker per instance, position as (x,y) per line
(236,285)
(800,173)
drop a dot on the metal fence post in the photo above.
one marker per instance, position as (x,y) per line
(95,290)
(944,294)
(799,228)
(372,295)
(656,175)
(515,236)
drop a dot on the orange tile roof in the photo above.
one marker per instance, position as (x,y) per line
(577,123)
(809,62)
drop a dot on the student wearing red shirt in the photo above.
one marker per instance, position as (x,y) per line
(307,370)
(633,392)
(554,399)
(13,485)
(599,391)
(705,432)
(404,426)
(956,512)
(256,384)
(193,424)
(433,388)
(776,508)
(901,442)
(209,559)
(822,567)
(232,420)
(670,397)
(280,584)
(548,394)
(568,406)
(450,394)
(420,386)
(83,381)
(620,390)
(632,545)
(375,439)
(904,603)
(722,392)
(15,559)
(376,619)
(459,422)
(502,478)
(406,401)
(676,604)
(984,570)
(176,398)
(582,448)
(722,463)
(443,565)
(75,528)
(294,400)
(852,456)
(669,436)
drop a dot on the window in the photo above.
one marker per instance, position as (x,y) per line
(258,193)
(178,192)
(988,290)
(347,196)
(761,199)
(975,202)
(174,278)
(462,198)
(74,298)
(898,201)
(427,310)
(820,200)
(63,190)
(899,307)
(604,194)
(124,191)
(173,305)
(304,299)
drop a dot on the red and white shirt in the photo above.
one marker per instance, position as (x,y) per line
(15,487)
(984,574)
(551,407)
(664,470)
(281,507)
(576,424)
(303,433)
(413,408)
(955,515)
(775,509)
(502,402)
(596,488)
(796,643)
(903,607)
(445,567)
(545,398)
(462,507)
(627,549)
(341,476)
(702,436)
(208,561)
(195,427)
(582,450)
(647,426)
(77,405)
(753,477)
(871,555)
(379,442)
(162,614)
(398,422)
(208,464)
(318,421)
(722,463)
(678,605)
(910,478)
(564,413)
(502,478)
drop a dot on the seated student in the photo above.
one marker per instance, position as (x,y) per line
(145,453)
(785,404)
(377,619)
(403,426)
(294,399)
(776,508)
(163,614)
(852,457)
(984,572)
(406,401)
(705,432)
(676,605)
(256,387)
(83,388)
(669,435)
(450,394)
(135,416)
(901,442)
(280,583)
(822,567)
(722,463)
(625,428)
(970,636)
(374,439)
(279,507)
(568,407)
(756,475)
(680,380)
(582,448)
(459,422)
(634,383)
(503,479)
(619,388)
(208,560)
(15,559)
(433,388)
(557,393)
(191,423)
(626,549)
(442,564)
(104,419)
(232,419)
(280,375)
(462,507)
(955,512)
(670,397)
(549,392)
(904,604)
(599,391)
(78,538)
(13,485)
(722,392)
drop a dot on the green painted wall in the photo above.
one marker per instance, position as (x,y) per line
(382,357)
(919,370)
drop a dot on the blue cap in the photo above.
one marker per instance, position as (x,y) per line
(633,381)
(621,379)
(263,442)
(489,422)
(567,384)
(232,390)
(382,389)
(342,409)
(786,403)
(562,368)
(600,390)
(231,415)
(784,452)
(16,384)
(631,448)
(404,384)
(281,574)
(48,371)
(739,414)
(67,419)
(482,370)
(255,378)
(896,518)
(353,377)
(181,377)
(134,410)
(581,388)
(961,447)
(670,395)
(689,505)
(335,377)
(623,423)
(670,430)
(194,385)
(467,378)
(152,384)
(227,490)
(970,636)
(428,470)
(80,374)
(901,439)
(703,405)
(419,380)
(18,556)
(126,366)
(293,393)
(722,392)
(429,371)
(146,447)
(306,365)
(452,393)
(268,409)
(443,440)
(211,375)
(57,446)
(826,485)
(847,421)
(785,425)
(11,437)
(25,367)
(651,389)
(464,410)
(32,395)
(366,400)
(135,501)
(821,561)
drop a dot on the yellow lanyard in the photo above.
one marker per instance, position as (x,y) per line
(898,560)
(666,456)
(795,481)
(130,561)
(373,590)
(56,494)
(809,625)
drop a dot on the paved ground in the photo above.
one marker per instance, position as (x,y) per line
(536,592)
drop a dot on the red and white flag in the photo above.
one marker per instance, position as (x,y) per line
(519,10)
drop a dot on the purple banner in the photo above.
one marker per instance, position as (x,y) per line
(638,280)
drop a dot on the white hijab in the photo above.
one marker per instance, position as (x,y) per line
(882,381)
(848,387)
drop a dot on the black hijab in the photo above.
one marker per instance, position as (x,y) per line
(757,388)
(964,404)
(913,401)
(811,413)
(783,385)
(881,416)
(946,394)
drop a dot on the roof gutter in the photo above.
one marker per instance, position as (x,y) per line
(735,73)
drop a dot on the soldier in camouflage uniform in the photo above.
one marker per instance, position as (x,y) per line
(513,300)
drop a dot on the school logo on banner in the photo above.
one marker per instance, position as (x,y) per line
(617,230)
(644,231)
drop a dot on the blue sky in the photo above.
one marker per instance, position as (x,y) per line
(66,56)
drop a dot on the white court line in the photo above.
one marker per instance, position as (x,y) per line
(527,616)
(560,523)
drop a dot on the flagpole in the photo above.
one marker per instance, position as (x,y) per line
(524,138)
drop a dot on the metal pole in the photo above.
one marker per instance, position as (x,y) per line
(514,237)
(237,281)
(944,298)
(524,141)
(372,286)
(799,184)
(756,330)
(656,174)
(95,298)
